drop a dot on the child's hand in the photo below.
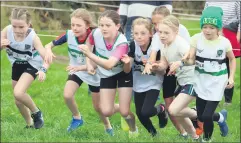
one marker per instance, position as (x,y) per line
(173,67)
(155,66)
(85,49)
(4,43)
(126,59)
(49,56)
(41,75)
(230,83)
(148,68)
(91,70)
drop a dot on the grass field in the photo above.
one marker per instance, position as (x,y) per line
(49,98)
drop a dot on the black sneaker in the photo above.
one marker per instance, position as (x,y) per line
(38,120)
(163,117)
(28,127)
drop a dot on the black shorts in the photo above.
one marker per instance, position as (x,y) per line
(186,89)
(76,79)
(169,85)
(122,79)
(20,67)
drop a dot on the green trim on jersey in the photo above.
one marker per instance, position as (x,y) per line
(36,54)
(75,53)
(202,71)
(99,55)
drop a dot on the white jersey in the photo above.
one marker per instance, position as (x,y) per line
(211,76)
(24,50)
(103,52)
(175,52)
(78,58)
(157,44)
(144,82)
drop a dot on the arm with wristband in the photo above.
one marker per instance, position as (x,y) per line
(42,51)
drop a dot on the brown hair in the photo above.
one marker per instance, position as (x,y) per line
(171,21)
(143,21)
(21,14)
(161,10)
(84,15)
(113,15)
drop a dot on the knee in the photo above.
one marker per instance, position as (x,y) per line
(106,112)
(124,113)
(67,95)
(18,94)
(172,111)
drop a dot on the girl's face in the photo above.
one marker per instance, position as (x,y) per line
(141,35)
(156,19)
(78,26)
(108,27)
(166,33)
(20,27)
(210,32)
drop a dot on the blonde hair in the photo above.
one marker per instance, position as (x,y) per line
(143,21)
(172,22)
(21,14)
(161,10)
(84,15)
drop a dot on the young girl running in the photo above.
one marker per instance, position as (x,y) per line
(169,82)
(25,52)
(146,87)
(81,26)
(174,49)
(208,51)
(110,46)
(231,30)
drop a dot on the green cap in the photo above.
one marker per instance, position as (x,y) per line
(212,15)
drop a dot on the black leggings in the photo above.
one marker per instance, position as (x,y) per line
(228,93)
(145,108)
(206,114)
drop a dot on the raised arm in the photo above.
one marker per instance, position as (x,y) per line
(59,41)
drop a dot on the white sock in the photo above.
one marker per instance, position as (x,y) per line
(221,119)
(184,134)
(196,137)
(35,111)
(77,117)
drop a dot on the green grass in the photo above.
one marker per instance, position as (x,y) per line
(49,98)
